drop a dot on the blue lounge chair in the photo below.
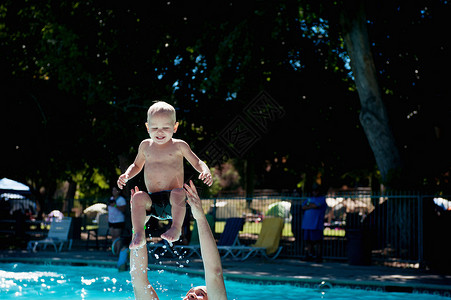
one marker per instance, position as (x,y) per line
(58,236)
(103,229)
(229,237)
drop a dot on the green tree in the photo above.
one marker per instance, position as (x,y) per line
(77,78)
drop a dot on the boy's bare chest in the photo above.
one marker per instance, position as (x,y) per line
(167,156)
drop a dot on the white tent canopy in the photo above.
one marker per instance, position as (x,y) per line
(15,196)
(12,185)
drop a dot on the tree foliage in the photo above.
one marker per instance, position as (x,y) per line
(77,78)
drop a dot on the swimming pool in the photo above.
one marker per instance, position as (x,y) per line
(29,281)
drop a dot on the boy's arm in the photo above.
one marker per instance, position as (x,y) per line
(134,168)
(197,163)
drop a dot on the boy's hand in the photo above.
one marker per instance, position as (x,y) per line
(206,177)
(122,181)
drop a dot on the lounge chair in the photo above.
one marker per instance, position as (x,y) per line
(193,248)
(227,240)
(58,236)
(103,229)
(229,237)
(267,244)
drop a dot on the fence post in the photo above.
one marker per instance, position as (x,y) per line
(420,230)
(214,216)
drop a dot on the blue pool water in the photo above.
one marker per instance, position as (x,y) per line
(26,281)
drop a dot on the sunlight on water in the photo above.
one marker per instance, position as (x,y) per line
(69,282)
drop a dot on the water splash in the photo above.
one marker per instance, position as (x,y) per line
(324,287)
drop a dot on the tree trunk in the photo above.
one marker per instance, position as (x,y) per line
(249,169)
(69,199)
(373,115)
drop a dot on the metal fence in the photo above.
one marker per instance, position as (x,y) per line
(390,227)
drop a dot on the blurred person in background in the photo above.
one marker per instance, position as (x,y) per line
(314,208)
(116,216)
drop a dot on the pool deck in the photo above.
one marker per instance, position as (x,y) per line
(261,271)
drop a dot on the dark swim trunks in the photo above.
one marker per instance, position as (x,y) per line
(161,205)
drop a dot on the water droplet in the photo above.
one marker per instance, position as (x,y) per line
(324,285)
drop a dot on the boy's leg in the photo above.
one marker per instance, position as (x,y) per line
(178,210)
(139,204)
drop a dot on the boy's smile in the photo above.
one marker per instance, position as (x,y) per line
(161,127)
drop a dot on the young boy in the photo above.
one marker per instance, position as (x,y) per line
(162,159)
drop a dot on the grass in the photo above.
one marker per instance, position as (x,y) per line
(227,208)
(254,228)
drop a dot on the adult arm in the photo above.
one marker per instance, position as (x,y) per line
(310,206)
(214,278)
(317,202)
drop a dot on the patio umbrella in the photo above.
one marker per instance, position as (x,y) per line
(9,185)
(96,209)
(15,196)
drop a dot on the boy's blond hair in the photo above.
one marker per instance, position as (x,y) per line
(161,106)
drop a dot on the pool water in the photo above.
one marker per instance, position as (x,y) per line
(27,281)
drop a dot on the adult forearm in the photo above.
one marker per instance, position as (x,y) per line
(214,277)
(210,254)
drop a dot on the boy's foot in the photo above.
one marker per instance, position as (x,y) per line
(138,240)
(172,235)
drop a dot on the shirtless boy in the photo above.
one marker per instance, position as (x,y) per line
(161,156)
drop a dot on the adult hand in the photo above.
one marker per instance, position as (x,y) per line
(194,200)
(134,191)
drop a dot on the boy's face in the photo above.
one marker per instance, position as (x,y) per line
(161,127)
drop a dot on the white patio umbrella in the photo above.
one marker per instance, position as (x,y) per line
(9,184)
(16,195)
(96,209)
